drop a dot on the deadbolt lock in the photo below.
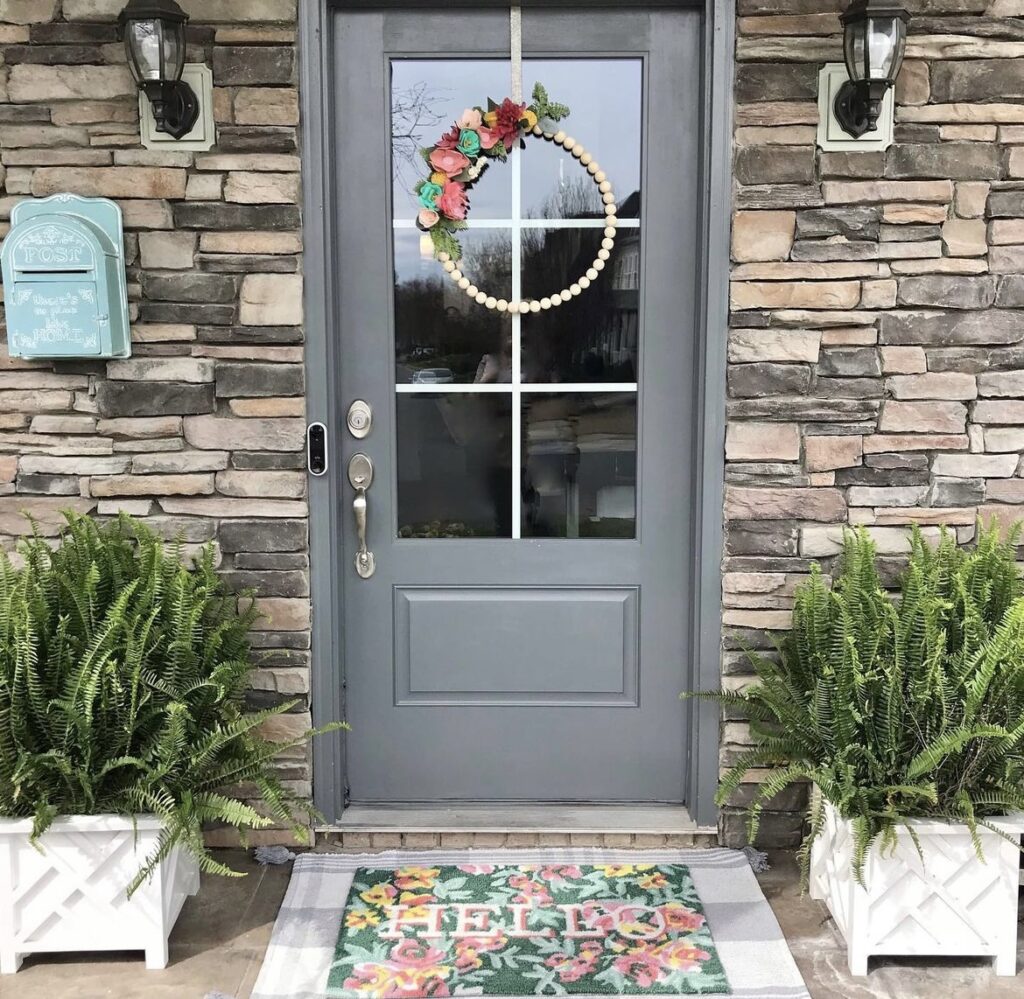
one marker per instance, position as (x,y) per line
(360,419)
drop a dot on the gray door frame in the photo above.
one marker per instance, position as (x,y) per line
(711,324)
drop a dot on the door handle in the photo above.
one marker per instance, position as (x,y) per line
(360,475)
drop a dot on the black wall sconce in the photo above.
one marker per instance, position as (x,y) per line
(154,39)
(874,40)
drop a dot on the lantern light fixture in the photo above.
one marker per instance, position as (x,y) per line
(874,41)
(154,41)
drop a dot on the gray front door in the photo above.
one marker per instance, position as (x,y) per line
(525,634)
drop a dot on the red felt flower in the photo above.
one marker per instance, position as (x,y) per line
(450,139)
(506,120)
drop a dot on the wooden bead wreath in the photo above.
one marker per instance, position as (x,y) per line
(458,160)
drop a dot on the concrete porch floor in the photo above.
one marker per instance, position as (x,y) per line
(220,938)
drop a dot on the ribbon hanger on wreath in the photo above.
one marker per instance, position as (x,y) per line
(481,136)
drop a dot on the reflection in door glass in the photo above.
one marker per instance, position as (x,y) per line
(593,337)
(579,465)
(441,336)
(427,96)
(606,98)
(454,466)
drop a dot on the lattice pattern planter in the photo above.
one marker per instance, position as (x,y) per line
(72,897)
(951,905)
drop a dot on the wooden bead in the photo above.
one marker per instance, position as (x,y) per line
(608,197)
(592,167)
(591,273)
(605,186)
(609,231)
(456,274)
(611,209)
(481,297)
(603,254)
(545,303)
(535,306)
(566,294)
(472,290)
(490,301)
(444,257)
(599,264)
(584,282)
(600,175)
(524,307)
(537,130)
(607,244)
(578,151)
(559,136)
(556,299)
(586,158)
(549,136)
(574,289)
(568,143)
(449,266)
(501,305)
(464,283)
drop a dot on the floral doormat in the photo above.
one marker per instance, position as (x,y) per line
(525,929)
(518,924)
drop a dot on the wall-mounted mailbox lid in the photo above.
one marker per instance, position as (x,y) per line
(65,288)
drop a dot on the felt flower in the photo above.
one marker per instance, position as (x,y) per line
(450,139)
(489,138)
(436,177)
(529,119)
(427,218)
(428,194)
(505,120)
(469,142)
(453,201)
(471,118)
(450,162)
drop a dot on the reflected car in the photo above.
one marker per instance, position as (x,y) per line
(433,376)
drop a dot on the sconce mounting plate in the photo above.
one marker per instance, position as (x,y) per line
(203,135)
(832,137)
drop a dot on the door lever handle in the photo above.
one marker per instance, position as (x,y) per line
(360,476)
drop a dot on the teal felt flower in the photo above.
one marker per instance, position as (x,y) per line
(469,142)
(429,193)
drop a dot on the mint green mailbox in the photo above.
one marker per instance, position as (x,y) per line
(65,288)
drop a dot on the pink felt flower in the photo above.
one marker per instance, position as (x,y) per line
(488,137)
(471,118)
(428,219)
(453,202)
(450,162)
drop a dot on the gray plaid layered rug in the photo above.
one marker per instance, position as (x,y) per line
(585,923)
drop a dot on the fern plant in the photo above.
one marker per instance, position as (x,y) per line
(122,678)
(895,707)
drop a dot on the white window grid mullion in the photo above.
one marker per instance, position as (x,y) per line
(530,223)
(506,388)
(517,343)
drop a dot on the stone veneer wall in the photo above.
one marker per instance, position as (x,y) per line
(876,352)
(876,355)
(202,430)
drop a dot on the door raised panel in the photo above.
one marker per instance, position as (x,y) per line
(516,645)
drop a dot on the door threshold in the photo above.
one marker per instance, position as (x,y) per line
(485,825)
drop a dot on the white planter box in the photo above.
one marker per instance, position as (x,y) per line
(72,895)
(951,905)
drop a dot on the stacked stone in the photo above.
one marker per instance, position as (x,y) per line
(201,432)
(876,351)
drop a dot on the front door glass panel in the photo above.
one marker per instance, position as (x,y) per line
(519,426)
